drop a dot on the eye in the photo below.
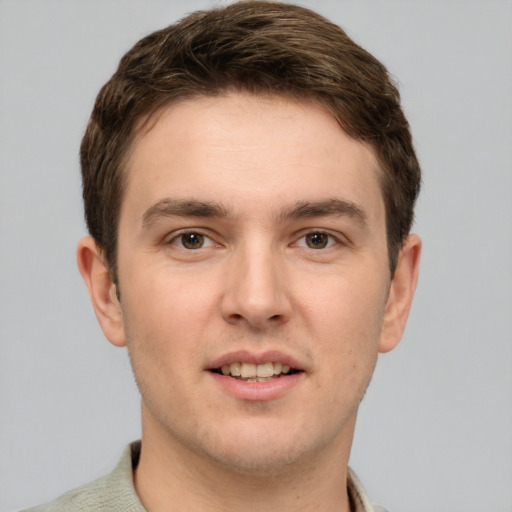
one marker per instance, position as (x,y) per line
(192,240)
(316,240)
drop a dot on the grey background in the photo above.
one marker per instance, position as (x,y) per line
(435,428)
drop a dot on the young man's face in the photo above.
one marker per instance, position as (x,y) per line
(251,239)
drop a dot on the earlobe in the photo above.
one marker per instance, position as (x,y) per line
(401,294)
(102,291)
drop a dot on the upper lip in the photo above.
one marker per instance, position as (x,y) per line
(246,356)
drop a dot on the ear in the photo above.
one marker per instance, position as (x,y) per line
(102,291)
(401,294)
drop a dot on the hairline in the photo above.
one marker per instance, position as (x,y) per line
(148,120)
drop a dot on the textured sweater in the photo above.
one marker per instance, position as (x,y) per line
(115,492)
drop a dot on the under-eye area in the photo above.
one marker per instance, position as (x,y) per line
(252,372)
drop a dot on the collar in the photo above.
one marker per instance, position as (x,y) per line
(122,475)
(359,500)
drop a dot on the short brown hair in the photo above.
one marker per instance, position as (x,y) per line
(258,47)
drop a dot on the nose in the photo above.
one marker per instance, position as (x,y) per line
(256,290)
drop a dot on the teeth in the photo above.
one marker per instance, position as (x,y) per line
(235,369)
(248,370)
(254,372)
(265,370)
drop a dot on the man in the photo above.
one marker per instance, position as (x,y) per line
(249,184)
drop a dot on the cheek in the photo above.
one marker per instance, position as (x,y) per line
(346,319)
(164,319)
(162,342)
(351,307)
(161,295)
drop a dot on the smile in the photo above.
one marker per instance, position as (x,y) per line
(251,372)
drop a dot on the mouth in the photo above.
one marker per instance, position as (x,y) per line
(251,372)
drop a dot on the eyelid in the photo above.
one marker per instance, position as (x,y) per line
(174,238)
(335,238)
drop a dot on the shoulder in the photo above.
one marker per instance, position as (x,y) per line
(85,498)
(114,492)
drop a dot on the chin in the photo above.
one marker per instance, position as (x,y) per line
(264,450)
(260,461)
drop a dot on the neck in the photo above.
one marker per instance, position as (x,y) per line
(171,477)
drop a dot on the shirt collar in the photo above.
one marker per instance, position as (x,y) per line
(122,475)
(359,500)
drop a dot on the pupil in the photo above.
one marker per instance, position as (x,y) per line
(317,240)
(192,240)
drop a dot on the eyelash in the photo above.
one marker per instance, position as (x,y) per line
(178,240)
(331,240)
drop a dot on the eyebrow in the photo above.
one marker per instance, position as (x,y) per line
(328,207)
(210,209)
(182,208)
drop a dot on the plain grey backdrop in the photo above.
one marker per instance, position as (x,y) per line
(435,429)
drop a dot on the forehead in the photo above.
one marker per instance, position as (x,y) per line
(240,147)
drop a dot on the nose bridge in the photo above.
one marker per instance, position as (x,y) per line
(256,290)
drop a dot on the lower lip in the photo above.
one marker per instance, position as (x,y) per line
(257,391)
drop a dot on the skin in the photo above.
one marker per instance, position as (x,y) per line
(255,285)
